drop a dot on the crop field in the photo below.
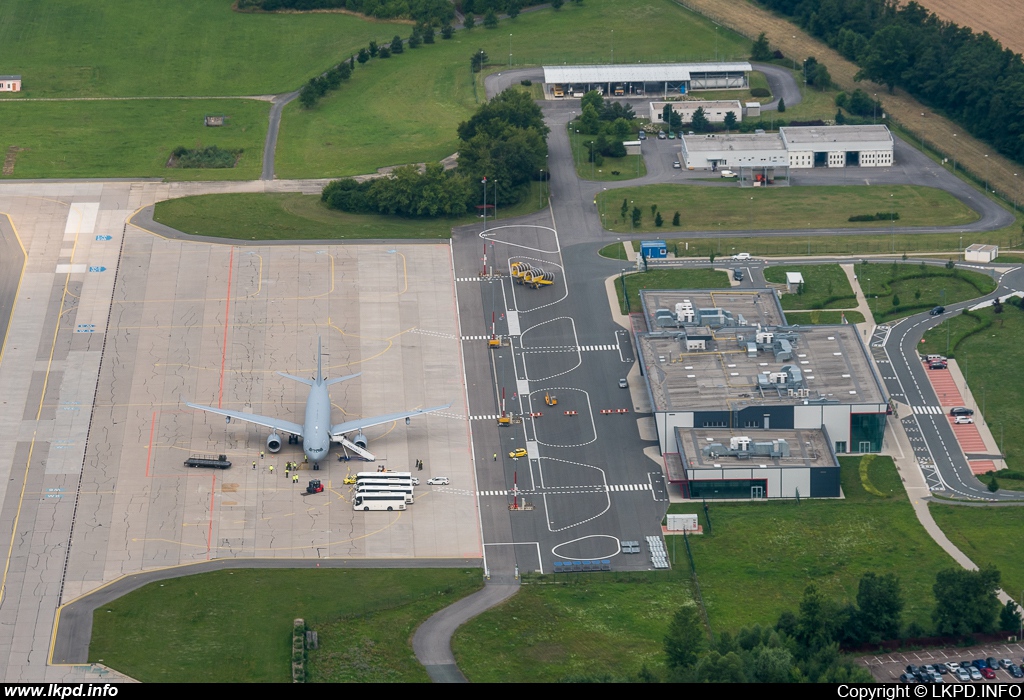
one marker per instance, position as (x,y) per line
(132,138)
(130,48)
(735,209)
(1002,19)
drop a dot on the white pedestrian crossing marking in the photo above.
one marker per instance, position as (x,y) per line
(493,417)
(928,410)
(568,490)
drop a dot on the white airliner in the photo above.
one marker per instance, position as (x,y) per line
(316,430)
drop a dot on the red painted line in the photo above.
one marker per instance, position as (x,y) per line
(209,532)
(149,447)
(227,316)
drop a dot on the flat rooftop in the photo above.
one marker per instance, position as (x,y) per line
(807,448)
(733,142)
(821,135)
(694,104)
(832,359)
(637,72)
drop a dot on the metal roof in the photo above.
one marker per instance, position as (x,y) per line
(10,77)
(849,134)
(635,73)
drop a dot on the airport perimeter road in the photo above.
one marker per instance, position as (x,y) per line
(942,461)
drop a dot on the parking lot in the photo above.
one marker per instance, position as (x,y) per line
(887,668)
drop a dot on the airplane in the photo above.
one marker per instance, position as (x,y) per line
(316,430)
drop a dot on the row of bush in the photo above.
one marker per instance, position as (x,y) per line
(879,216)
(428,11)
(209,157)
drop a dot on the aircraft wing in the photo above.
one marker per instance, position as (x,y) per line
(360,423)
(274,423)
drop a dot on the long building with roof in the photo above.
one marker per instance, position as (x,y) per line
(640,79)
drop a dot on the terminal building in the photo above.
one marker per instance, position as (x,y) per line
(638,79)
(868,146)
(723,368)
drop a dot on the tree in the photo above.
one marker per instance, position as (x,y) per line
(308,96)
(625,209)
(816,621)
(711,259)
(993,484)
(557,4)
(384,52)
(514,8)
(730,121)
(666,115)
(396,45)
(658,221)
(447,31)
(590,123)
(374,49)
(771,665)
(761,51)
(491,18)
(686,639)
(887,56)
(477,60)
(428,34)
(1009,617)
(822,78)
(700,122)
(415,40)
(637,216)
(782,105)
(879,607)
(840,119)
(675,219)
(965,601)
(895,299)
(594,99)
(363,56)
(469,22)
(622,127)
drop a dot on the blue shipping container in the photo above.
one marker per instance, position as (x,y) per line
(653,249)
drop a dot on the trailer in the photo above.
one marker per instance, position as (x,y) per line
(208,462)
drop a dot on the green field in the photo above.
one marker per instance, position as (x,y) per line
(406,109)
(305,217)
(761,556)
(667,279)
(612,169)
(735,209)
(918,287)
(823,318)
(982,534)
(202,628)
(132,138)
(130,48)
(614,251)
(825,287)
(987,357)
(592,629)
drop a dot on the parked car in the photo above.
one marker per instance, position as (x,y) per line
(517,453)
(415,480)
(975,674)
(741,256)
(662,135)
(992,662)
(728,173)
(642,135)
(963,420)
(961,411)
(963,675)
(988,674)
(623,384)
(908,678)
(952,666)
(911,668)
(1015,671)
(1005,663)
(942,668)
(938,310)
(737,275)
(979,664)
(938,364)
(438,481)
(676,165)
(671,134)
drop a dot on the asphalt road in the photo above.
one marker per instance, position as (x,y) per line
(270,143)
(12,260)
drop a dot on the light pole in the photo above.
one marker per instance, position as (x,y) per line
(983,396)
(869,297)
(874,107)
(1015,193)
(954,154)
(509,50)
(540,190)
(986,173)
(961,247)
(631,216)
(625,295)
(484,182)
(892,227)
(613,46)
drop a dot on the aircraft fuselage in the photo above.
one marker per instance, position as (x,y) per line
(316,430)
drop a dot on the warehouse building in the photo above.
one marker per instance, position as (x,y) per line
(725,361)
(634,80)
(714,110)
(793,146)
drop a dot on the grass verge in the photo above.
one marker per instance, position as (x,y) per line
(612,169)
(129,138)
(201,628)
(987,347)
(823,318)
(761,556)
(735,209)
(667,279)
(825,287)
(980,534)
(593,629)
(615,251)
(304,217)
(894,290)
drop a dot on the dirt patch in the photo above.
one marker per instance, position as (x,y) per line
(938,133)
(1000,18)
(12,155)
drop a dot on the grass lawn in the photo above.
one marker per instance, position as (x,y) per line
(822,318)
(202,628)
(982,534)
(615,251)
(987,357)
(626,168)
(406,109)
(825,287)
(668,279)
(549,633)
(735,209)
(130,48)
(131,138)
(918,287)
(761,556)
(305,217)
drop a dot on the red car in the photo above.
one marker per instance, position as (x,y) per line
(988,674)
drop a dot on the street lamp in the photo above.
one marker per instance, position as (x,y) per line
(954,154)
(986,173)
(874,107)
(1015,193)
(892,228)
(540,190)
(613,46)
(631,216)
(625,295)
(509,50)
(869,296)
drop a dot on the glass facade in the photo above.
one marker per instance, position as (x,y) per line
(729,488)
(866,432)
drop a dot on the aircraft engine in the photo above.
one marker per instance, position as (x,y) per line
(360,440)
(274,442)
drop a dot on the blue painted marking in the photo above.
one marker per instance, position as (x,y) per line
(86,325)
(103,238)
(84,330)
(97,268)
